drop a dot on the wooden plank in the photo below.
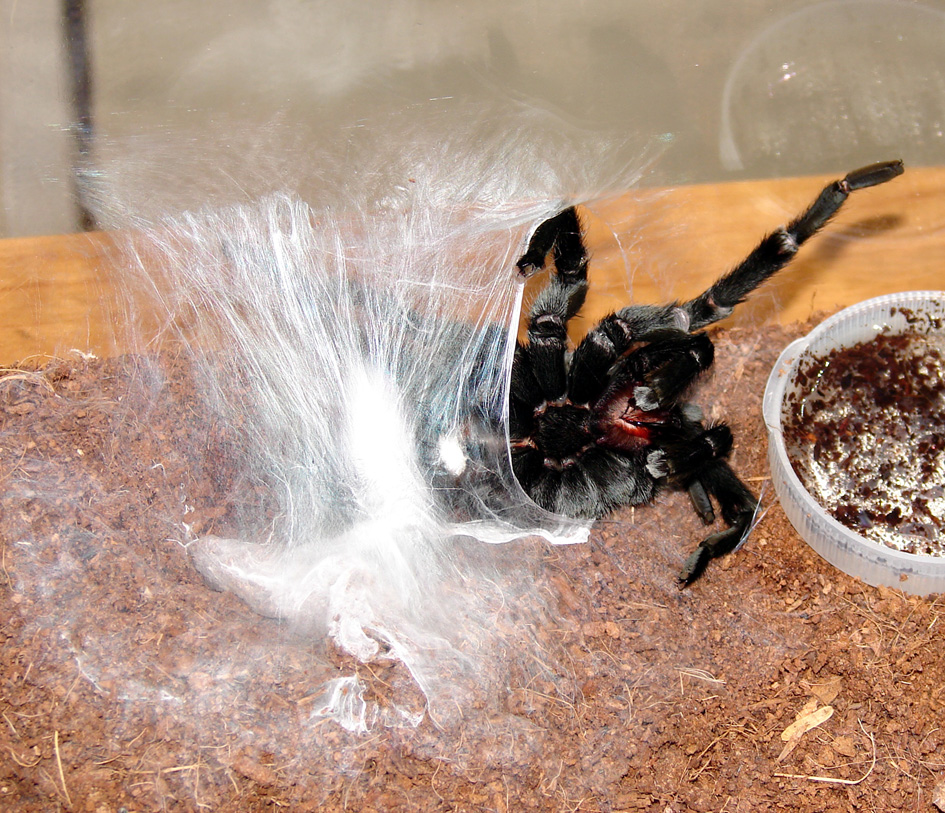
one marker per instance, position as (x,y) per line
(58,293)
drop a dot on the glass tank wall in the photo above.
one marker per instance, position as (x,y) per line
(186,96)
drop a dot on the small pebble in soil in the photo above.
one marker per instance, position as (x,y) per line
(865,432)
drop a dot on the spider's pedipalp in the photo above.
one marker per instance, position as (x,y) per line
(679,361)
(694,448)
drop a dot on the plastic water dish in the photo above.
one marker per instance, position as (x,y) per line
(870,561)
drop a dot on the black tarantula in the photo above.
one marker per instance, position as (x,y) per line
(605,424)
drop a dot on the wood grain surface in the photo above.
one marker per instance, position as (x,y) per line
(59,292)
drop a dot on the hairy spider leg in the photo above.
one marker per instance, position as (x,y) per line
(694,458)
(664,368)
(564,234)
(546,468)
(738,506)
(613,337)
(541,364)
(616,333)
(685,451)
(778,248)
(685,446)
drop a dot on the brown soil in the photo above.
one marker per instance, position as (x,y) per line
(774,683)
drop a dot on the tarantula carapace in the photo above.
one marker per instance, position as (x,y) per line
(604,424)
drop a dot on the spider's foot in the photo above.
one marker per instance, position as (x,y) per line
(529,265)
(694,567)
(646,399)
(657,464)
(712,547)
(872,175)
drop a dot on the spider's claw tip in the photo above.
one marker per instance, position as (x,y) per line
(693,568)
(526,269)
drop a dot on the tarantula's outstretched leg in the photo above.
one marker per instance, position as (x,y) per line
(542,370)
(778,248)
(738,506)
